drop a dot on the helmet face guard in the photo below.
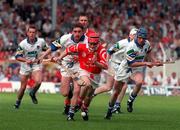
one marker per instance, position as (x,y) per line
(93,41)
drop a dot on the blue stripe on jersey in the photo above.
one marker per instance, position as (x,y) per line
(18,55)
(53,47)
(130,62)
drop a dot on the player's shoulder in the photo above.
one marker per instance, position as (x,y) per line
(132,45)
(39,39)
(101,47)
(23,42)
(66,36)
(123,41)
(147,42)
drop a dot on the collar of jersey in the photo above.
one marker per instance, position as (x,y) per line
(29,40)
(80,40)
(137,44)
(128,39)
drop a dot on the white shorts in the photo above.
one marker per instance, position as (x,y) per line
(74,67)
(123,73)
(94,78)
(28,69)
(113,68)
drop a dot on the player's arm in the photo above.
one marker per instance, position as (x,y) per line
(102,63)
(150,57)
(113,49)
(20,56)
(55,45)
(130,57)
(69,50)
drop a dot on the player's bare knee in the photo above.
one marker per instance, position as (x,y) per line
(108,88)
(124,87)
(64,93)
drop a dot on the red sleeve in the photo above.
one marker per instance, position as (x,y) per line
(103,56)
(73,48)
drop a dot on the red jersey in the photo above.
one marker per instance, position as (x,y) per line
(86,57)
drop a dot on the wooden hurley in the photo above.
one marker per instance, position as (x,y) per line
(168,62)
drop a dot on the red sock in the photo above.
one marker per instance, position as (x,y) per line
(84,106)
(67,102)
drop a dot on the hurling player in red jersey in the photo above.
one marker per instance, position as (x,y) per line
(92,59)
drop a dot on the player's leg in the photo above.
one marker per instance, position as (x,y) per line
(84,90)
(24,79)
(86,103)
(37,76)
(138,79)
(65,91)
(105,87)
(117,88)
(117,106)
(74,98)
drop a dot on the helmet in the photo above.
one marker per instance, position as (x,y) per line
(93,37)
(142,32)
(93,41)
(133,31)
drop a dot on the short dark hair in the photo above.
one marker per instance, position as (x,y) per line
(32,26)
(78,25)
(83,14)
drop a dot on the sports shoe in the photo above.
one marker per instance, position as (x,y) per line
(33,97)
(66,109)
(17,104)
(116,110)
(108,114)
(129,106)
(84,115)
(70,117)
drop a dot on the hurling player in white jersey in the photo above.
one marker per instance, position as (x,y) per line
(133,57)
(71,62)
(27,53)
(115,54)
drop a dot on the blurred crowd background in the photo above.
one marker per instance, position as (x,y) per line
(112,18)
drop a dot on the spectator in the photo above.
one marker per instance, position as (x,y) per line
(15,75)
(174,79)
(149,79)
(160,77)
(2,76)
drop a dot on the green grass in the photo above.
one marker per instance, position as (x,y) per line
(150,113)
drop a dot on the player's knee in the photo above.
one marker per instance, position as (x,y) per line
(139,84)
(64,93)
(139,81)
(23,88)
(76,91)
(37,83)
(124,87)
(108,88)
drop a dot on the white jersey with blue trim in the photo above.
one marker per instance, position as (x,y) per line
(31,51)
(65,41)
(137,53)
(120,48)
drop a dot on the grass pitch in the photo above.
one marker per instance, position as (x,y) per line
(150,113)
